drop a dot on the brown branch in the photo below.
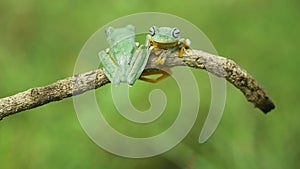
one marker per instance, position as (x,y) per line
(225,68)
(81,83)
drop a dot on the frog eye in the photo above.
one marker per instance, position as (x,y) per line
(152,30)
(176,33)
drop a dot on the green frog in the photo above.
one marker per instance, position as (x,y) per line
(124,60)
(168,40)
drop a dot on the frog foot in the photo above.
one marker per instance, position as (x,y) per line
(160,60)
(182,51)
(185,44)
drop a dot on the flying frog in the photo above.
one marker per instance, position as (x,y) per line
(124,60)
(166,38)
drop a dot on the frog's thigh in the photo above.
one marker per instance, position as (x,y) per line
(109,66)
(137,64)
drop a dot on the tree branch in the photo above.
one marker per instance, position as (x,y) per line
(77,84)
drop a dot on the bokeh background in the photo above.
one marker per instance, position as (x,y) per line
(39,44)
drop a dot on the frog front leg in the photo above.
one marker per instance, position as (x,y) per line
(163,56)
(109,66)
(184,44)
(137,64)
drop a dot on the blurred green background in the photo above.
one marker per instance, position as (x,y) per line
(39,43)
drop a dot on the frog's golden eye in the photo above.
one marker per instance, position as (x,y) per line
(176,33)
(152,30)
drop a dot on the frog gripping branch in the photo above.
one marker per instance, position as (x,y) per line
(164,41)
(126,61)
(169,39)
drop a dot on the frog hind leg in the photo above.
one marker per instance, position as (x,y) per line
(137,64)
(109,66)
(165,72)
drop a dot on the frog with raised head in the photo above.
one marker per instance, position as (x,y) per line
(124,60)
(166,38)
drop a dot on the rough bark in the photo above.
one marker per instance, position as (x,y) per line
(77,84)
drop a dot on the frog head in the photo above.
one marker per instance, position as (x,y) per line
(163,35)
(115,35)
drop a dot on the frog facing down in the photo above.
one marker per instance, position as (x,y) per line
(124,60)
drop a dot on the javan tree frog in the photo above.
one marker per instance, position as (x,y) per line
(169,40)
(124,60)
(166,38)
